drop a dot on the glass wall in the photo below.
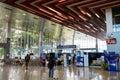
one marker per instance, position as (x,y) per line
(4,17)
(67,36)
(102,45)
(25,29)
(84,41)
(51,36)
(51,33)
(24,33)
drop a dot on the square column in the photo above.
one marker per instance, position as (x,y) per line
(42,23)
(109,20)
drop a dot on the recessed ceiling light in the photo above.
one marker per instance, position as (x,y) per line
(97,15)
(87,26)
(88,14)
(91,24)
(95,28)
(102,29)
(83,12)
(93,31)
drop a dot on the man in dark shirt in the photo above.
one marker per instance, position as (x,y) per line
(27,59)
(51,63)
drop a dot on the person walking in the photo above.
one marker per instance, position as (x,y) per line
(69,59)
(27,59)
(51,63)
(74,59)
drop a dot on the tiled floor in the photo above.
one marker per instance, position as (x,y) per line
(69,73)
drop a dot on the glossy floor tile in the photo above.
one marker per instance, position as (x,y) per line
(70,73)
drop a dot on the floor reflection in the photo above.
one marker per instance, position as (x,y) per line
(69,73)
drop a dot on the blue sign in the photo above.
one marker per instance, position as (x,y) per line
(112,66)
(112,53)
(66,46)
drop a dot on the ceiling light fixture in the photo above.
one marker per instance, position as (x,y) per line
(54,10)
(102,29)
(88,14)
(91,24)
(97,15)
(95,28)
(93,31)
(87,26)
(83,11)
(61,0)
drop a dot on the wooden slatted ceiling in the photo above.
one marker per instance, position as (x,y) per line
(87,16)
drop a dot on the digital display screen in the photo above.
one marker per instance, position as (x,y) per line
(111,41)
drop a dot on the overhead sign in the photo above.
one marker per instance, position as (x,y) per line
(111,41)
(66,46)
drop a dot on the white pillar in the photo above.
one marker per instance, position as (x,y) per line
(73,37)
(8,36)
(42,23)
(60,36)
(109,20)
(96,45)
(65,60)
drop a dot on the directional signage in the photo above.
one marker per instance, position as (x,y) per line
(66,46)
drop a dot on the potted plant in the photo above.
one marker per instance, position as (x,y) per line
(104,65)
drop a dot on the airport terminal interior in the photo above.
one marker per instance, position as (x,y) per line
(81,35)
